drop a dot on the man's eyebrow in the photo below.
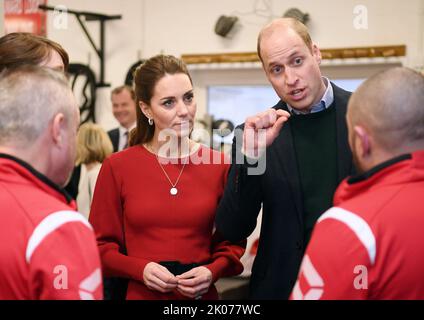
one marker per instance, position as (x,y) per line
(294,53)
(289,57)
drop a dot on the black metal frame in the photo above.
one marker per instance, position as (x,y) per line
(88,107)
(91,16)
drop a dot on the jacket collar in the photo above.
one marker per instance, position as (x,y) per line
(399,170)
(39,176)
(373,171)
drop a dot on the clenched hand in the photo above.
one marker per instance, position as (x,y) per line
(261,130)
(195,282)
(157,277)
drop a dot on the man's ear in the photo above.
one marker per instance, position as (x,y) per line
(362,142)
(58,128)
(316,52)
(145,108)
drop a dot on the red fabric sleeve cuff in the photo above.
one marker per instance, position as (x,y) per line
(217,267)
(116,264)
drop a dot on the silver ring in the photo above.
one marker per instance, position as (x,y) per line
(198,297)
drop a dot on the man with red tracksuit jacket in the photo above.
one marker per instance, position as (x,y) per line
(47,249)
(370,244)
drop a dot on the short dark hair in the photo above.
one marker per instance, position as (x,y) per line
(119,89)
(390,104)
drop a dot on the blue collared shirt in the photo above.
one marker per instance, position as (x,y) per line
(326,100)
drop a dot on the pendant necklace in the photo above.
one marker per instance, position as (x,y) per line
(173,191)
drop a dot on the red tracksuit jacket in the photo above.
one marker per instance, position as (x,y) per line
(371,244)
(47,249)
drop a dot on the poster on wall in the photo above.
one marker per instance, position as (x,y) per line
(24,16)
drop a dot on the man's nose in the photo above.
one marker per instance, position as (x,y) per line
(291,76)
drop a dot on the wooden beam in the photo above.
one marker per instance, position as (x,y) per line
(340,53)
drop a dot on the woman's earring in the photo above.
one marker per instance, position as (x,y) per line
(150,121)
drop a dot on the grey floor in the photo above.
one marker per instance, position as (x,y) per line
(233,288)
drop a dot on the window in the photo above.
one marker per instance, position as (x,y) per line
(348,84)
(236,103)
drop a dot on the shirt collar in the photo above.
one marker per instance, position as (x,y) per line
(122,130)
(326,100)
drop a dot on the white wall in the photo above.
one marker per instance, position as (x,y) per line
(189,23)
(124,40)
(186,26)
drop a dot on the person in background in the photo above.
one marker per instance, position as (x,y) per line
(48,250)
(93,146)
(20,48)
(304,154)
(156,200)
(124,110)
(370,244)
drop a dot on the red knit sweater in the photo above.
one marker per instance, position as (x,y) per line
(132,192)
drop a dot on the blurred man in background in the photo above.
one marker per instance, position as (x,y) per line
(124,110)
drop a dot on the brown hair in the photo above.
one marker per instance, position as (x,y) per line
(146,76)
(119,89)
(292,23)
(21,48)
(93,144)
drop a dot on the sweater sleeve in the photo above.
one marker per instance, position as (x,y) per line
(225,257)
(106,217)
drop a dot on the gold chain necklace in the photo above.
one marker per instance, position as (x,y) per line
(173,191)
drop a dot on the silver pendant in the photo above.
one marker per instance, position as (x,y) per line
(173,191)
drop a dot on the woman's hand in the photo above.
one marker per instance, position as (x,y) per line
(195,283)
(157,277)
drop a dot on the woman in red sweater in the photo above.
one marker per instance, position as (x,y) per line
(156,200)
